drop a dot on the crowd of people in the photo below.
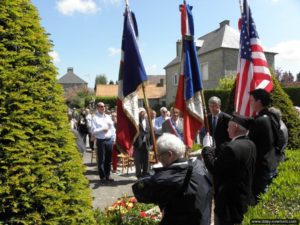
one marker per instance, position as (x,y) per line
(239,160)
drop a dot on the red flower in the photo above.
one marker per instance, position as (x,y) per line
(143,214)
(152,217)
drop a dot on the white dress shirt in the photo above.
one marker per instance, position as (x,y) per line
(103,127)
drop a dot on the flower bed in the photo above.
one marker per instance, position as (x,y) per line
(127,211)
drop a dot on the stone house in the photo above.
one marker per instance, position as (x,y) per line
(71,80)
(217,55)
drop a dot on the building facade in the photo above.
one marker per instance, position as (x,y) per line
(217,55)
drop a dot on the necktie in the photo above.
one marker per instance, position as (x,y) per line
(214,123)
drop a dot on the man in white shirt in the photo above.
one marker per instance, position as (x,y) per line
(104,131)
(160,120)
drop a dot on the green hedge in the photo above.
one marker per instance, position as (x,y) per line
(282,200)
(222,94)
(294,94)
(41,172)
(110,101)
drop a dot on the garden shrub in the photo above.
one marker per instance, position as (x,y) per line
(294,94)
(110,101)
(282,200)
(41,171)
(282,101)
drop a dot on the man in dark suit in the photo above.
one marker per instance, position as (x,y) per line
(218,122)
(142,146)
(233,172)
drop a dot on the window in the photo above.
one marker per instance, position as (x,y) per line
(204,71)
(175,80)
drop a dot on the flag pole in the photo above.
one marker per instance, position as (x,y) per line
(150,123)
(206,124)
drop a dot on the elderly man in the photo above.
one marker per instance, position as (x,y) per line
(181,188)
(160,120)
(233,171)
(104,131)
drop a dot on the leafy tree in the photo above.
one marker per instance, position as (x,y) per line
(287,78)
(101,79)
(227,82)
(298,77)
(111,82)
(42,180)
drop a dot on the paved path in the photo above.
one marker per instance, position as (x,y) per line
(105,195)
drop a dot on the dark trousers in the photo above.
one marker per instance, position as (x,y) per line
(141,161)
(104,152)
(261,182)
(91,142)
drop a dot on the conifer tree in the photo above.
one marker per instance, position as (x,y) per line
(41,171)
(282,101)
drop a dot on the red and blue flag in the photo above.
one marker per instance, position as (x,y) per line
(188,98)
(132,74)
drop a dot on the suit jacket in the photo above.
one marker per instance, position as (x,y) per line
(220,135)
(261,134)
(168,127)
(143,137)
(233,172)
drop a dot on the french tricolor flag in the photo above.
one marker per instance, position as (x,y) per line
(188,98)
(132,74)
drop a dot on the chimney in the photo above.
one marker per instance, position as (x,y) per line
(178,48)
(161,82)
(224,22)
(70,70)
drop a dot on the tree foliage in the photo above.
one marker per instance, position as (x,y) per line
(298,77)
(284,77)
(227,82)
(101,79)
(42,180)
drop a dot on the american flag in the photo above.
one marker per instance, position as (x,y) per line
(252,69)
(188,98)
(131,76)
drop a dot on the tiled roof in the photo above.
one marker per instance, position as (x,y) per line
(223,37)
(155,79)
(152,91)
(71,78)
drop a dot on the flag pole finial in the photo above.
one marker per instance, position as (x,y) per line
(126,3)
(241,6)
